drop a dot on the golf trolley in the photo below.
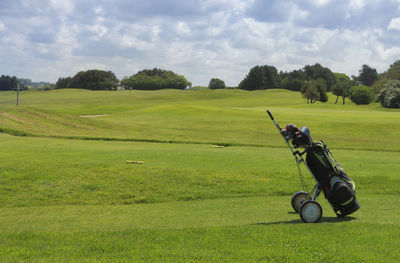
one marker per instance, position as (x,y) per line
(330,177)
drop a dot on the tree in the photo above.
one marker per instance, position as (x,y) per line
(293,80)
(261,77)
(361,95)
(271,77)
(390,96)
(379,85)
(154,79)
(310,93)
(254,80)
(94,80)
(291,84)
(393,72)
(63,83)
(342,86)
(8,83)
(317,71)
(216,84)
(314,90)
(367,75)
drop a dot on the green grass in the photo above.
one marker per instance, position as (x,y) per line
(230,117)
(227,230)
(68,195)
(37,171)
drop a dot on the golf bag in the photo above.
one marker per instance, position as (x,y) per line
(331,178)
(336,185)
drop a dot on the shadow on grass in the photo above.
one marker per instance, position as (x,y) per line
(298,221)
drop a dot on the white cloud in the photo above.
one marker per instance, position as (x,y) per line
(298,13)
(62,6)
(2,26)
(183,28)
(356,5)
(99,10)
(394,24)
(319,3)
(99,31)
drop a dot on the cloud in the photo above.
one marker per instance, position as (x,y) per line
(356,5)
(354,14)
(199,39)
(319,3)
(394,24)
(277,11)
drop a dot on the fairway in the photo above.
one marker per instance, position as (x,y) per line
(68,194)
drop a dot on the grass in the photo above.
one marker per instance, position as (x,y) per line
(229,117)
(68,195)
(227,230)
(43,171)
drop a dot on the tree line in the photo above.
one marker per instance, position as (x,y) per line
(312,81)
(9,83)
(94,79)
(148,79)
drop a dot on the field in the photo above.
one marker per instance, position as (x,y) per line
(68,194)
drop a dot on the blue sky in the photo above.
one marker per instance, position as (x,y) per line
(47,39)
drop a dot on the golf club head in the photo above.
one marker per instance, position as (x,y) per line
(306,131)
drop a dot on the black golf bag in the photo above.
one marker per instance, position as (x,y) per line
(331,179)
(336,185)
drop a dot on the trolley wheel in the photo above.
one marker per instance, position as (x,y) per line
(298,199)
(310,212)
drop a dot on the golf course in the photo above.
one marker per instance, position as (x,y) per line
(188,176)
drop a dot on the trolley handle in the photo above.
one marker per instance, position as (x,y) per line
(273,120)
(270,115)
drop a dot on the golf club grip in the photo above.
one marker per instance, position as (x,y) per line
(270,115)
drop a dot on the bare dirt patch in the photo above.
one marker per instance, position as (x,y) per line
(93,115)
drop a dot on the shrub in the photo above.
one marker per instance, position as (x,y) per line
(361,95)
(390,96)
(155,79)
(93,80)
(216,84)
(379,85)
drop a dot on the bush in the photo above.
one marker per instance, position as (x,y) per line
(361,95)
(390,96)
(379,85)
(216,84)
(155,79)
(93,80)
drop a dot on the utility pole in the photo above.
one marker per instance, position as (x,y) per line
(17,93)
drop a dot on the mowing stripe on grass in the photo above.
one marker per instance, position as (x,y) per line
(180,215)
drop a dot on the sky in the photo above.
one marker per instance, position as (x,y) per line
(46,39)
